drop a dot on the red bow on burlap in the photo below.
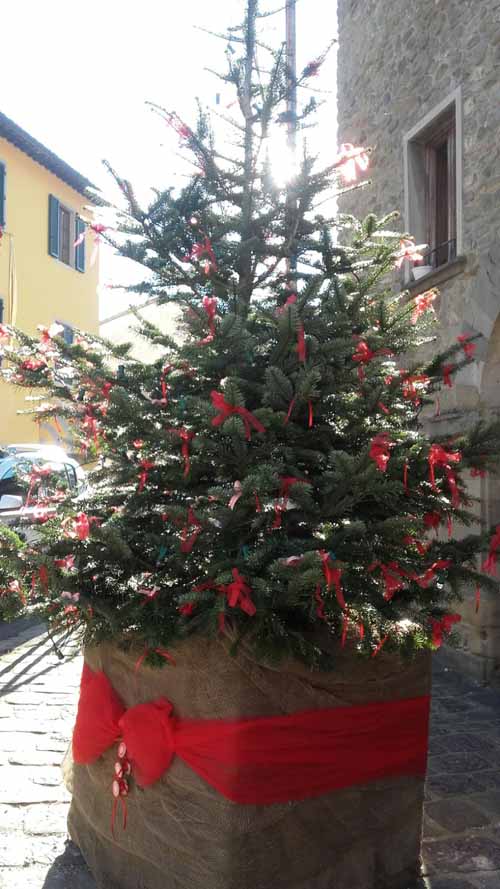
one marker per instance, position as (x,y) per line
(262,760)
(226,410)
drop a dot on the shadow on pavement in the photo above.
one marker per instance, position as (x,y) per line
(69,871)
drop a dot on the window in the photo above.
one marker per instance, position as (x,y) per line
(65,229)
(433,183)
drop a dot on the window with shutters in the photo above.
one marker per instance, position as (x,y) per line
(433,183)
(66,235)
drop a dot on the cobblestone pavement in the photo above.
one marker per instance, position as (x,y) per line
(38,693)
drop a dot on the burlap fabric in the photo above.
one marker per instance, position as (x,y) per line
(182,834)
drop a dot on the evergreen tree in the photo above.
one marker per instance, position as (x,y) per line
(268,477)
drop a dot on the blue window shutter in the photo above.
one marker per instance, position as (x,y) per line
(2,194)
(68,334)
(80,250)
(53,226)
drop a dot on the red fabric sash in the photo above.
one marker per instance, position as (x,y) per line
(262,760)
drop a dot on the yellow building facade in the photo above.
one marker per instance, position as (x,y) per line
(44,277)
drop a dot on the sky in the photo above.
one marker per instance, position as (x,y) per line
(77,76)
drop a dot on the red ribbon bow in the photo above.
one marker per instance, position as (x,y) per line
(425,580)
(392,575)
(226,410)
(440,627)
(238,593)
(468,347)
(204,252)
(439,457)
(423,302)
(380,450)
(363,355)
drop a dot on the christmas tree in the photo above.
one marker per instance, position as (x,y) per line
(268,477)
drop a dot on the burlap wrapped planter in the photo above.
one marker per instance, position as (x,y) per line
(182,834)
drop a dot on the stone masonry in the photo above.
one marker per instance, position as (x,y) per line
(396,63)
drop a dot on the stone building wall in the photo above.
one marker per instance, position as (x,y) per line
(396,62)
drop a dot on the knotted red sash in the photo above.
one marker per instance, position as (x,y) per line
(261,760)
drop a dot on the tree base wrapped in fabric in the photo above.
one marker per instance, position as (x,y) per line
(183,833)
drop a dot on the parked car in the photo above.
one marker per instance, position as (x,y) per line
(18,462)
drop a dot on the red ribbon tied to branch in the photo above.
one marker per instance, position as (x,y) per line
(425,580)
(332,577)
(440,627)
(185,437)
(301,344)
(349,160)
(468,347)
(226,410)
(447,370)
(79,526)
(380,450)
(423,302)
(204,253)
(393,577)
(238,491)
(188,540)
(238,593)
(145,465)
(363,355)
(210,306)
(409,389)
(438,456)
(490,563)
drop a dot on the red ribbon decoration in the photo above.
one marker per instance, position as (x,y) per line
(301,344)
(258,506)
(440,627)
(185,437)
(427,578)
(145,465)
(405,477)
(447,370)
(363,355)
(238,491)
(290,409)
(238,593)
(468,347)
(79,526)
(332,577)
(205,254)
(408,385)
(423,302)
(439,457)
(226,410)
(380,450)
(189,540)
(262,760)
(392,576)
(432,520)
(490,563)
(478,597)
(210,306)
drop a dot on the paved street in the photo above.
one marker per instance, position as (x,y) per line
(37,703)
